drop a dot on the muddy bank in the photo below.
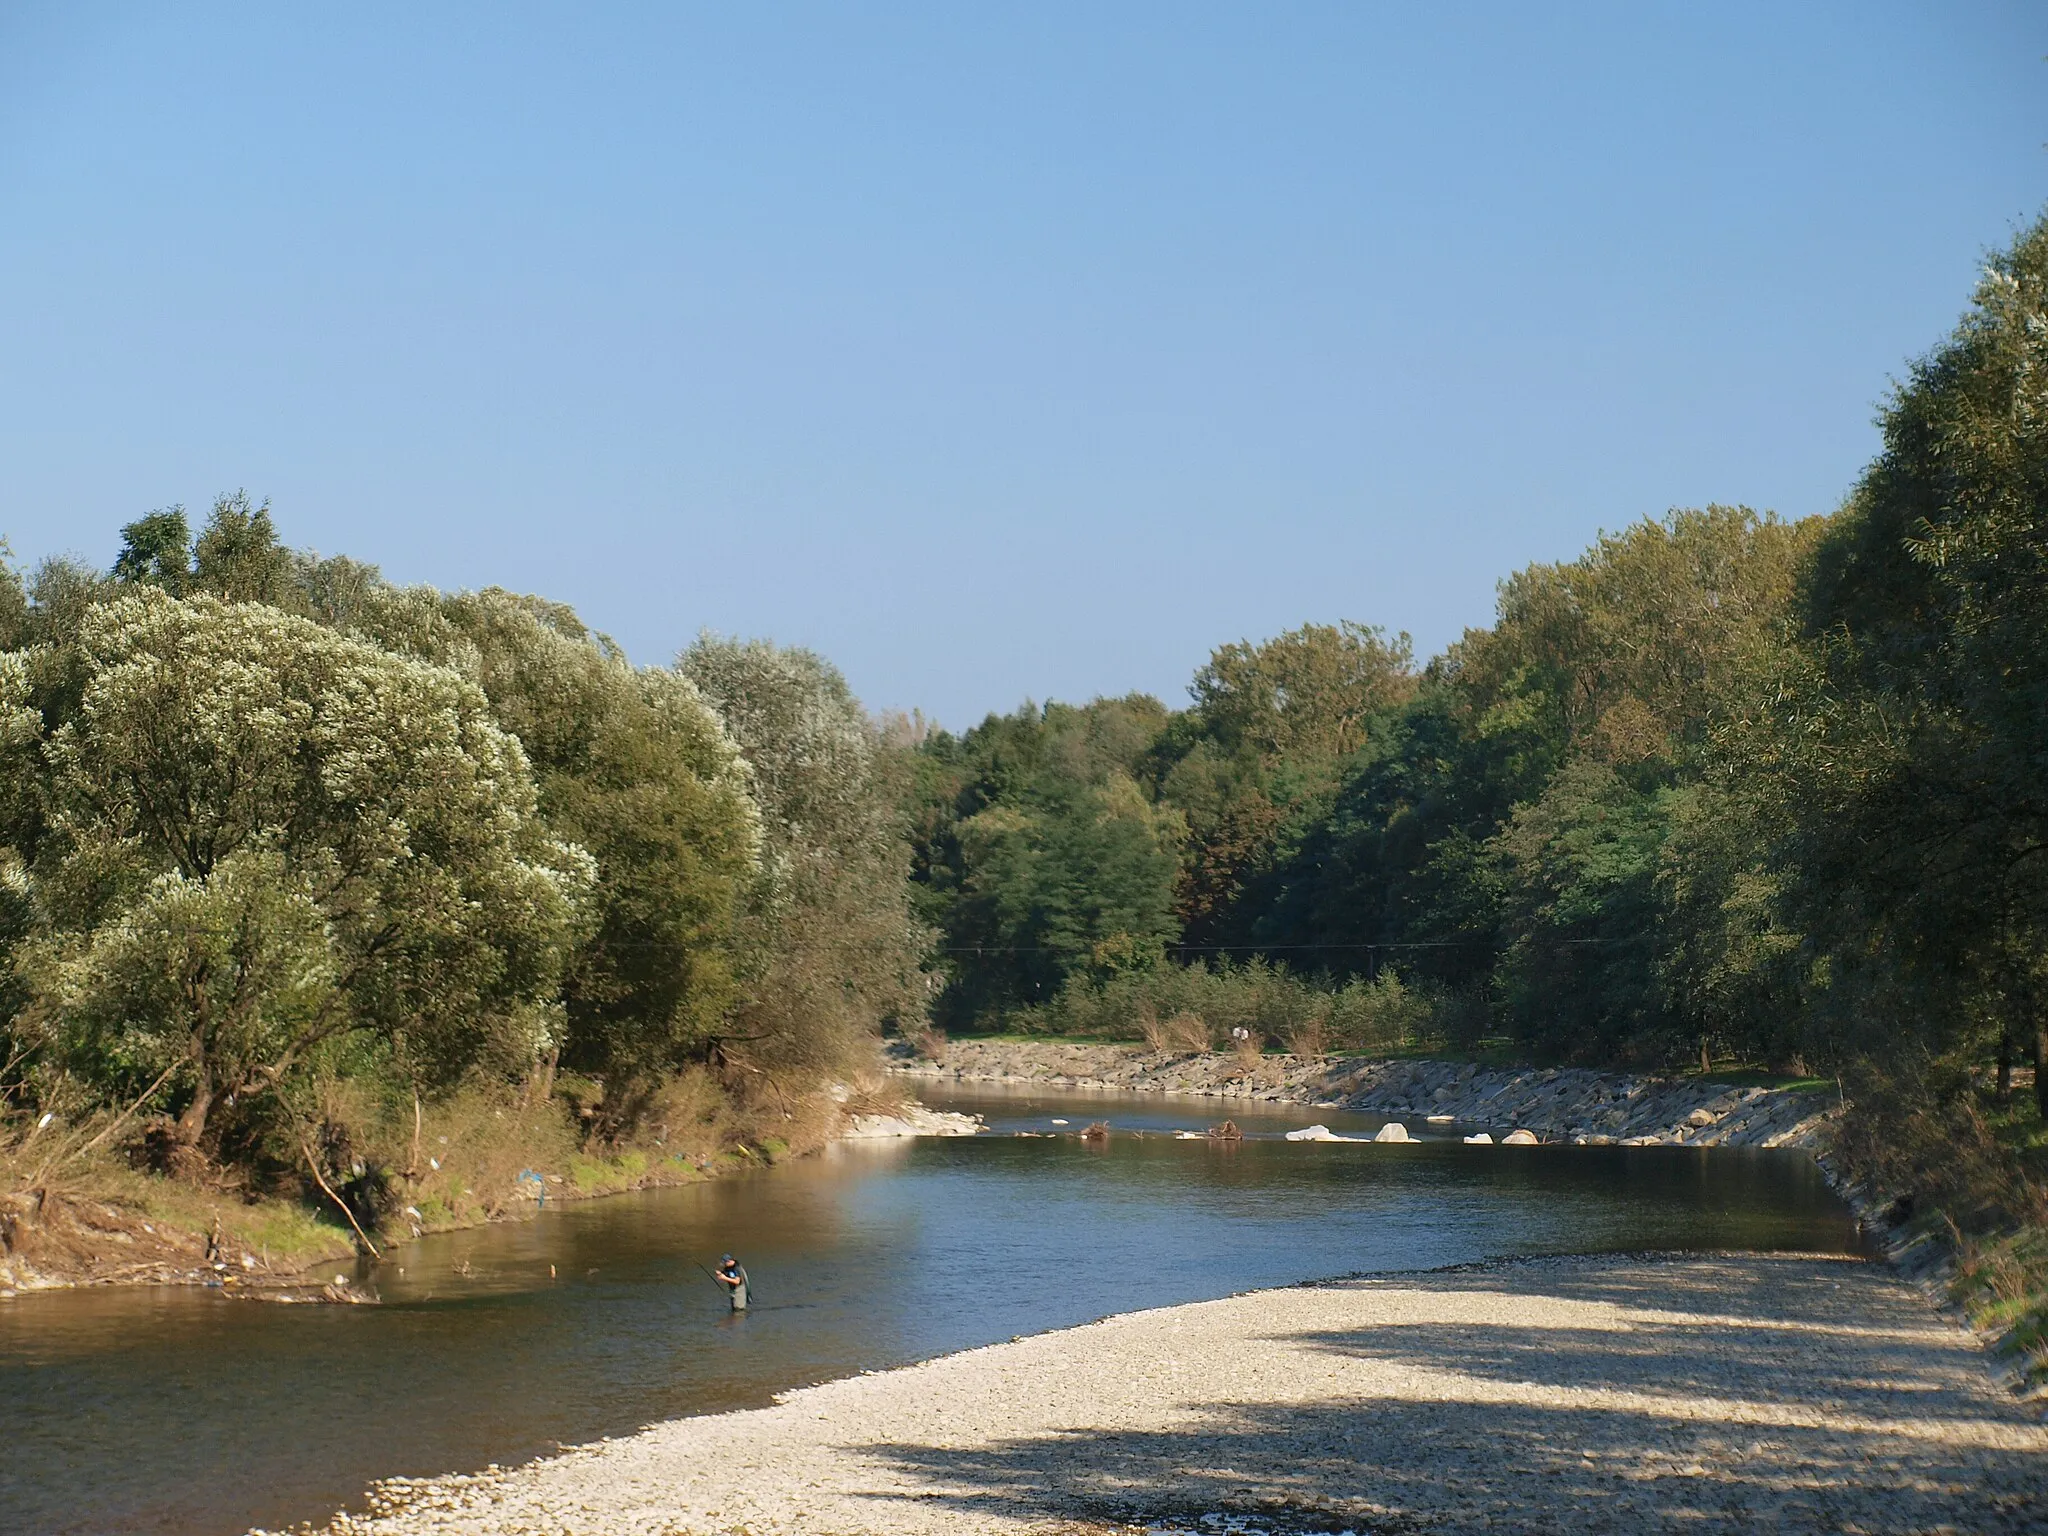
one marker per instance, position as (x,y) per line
(1553,1104)
(1701,1394)
(53,1238)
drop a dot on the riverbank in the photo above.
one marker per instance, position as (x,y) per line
(1696,1394)
(1551,1103)
(104,1223)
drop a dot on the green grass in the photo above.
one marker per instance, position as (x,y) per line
(1758,1077)
(2002,1283)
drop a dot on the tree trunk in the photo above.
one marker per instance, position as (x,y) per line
(2004,1066)
(192,1123)
(185,1159)
(2041,1069)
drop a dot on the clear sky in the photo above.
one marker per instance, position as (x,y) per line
(993,351)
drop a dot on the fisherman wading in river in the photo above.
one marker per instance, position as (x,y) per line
(734,1279)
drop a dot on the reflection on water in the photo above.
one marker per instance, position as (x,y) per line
(179,1411)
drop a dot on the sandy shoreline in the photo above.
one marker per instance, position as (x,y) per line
(1691,1394)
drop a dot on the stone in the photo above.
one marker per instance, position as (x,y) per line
(1519,1139)
(1481,1140)
(1700,1117)
(1393,1130)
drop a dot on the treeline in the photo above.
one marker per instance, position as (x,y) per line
(1528,837)
(285,847)
(1723,787)
(287,850)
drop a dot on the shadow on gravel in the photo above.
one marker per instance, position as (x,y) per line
(1514,1428)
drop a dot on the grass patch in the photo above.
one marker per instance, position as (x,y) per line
(1760,1077)
(2002,1284)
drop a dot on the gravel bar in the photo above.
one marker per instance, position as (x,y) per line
(1683,1394)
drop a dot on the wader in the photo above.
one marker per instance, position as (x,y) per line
(739,1294)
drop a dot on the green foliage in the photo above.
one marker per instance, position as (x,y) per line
(156,550)
(1041,854)
(261,836)
(1900,757)
(238,557)
(1253,763)
(294,845)
(834,947)
(1575,871)
(1194,1007)
(633,767)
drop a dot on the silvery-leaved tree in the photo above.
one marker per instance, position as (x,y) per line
(835,949)
(265,841)
(633,765)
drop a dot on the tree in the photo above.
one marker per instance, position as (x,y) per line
(156,550)
(837,949)
(1308,693)
(1254,762)
(264,836)
(1575,875)
(634,766)
(1040,853)
(238,557)
(1074,885)
(1901,748)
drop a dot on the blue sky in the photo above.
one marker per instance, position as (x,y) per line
(994,352)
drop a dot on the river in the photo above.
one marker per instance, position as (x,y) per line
(170,1410)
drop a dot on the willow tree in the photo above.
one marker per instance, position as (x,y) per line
(265,838)
(634,766)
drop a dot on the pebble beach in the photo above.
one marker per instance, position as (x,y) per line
(1688,1394)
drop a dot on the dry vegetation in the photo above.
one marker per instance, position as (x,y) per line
(80,1204)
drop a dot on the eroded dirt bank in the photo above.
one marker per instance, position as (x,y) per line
(1554,1104)
(1715,1394)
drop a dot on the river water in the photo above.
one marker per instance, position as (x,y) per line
(179,1411)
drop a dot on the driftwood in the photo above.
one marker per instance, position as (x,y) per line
(313,1164)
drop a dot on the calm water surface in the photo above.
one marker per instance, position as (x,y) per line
(179,1411)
